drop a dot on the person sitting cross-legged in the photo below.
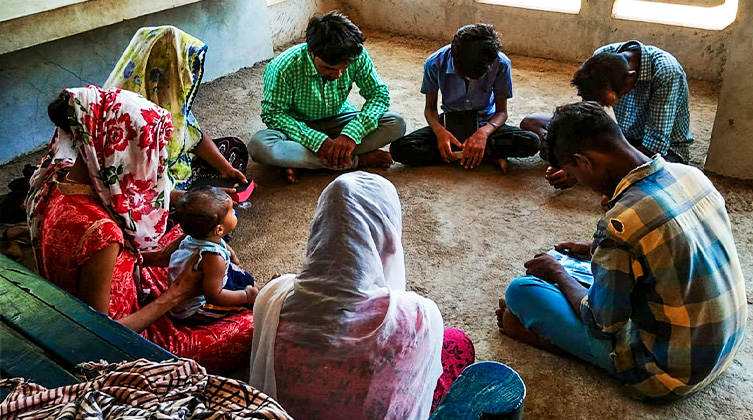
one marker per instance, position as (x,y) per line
(648,90)
(311,125)
(474,78)
(165,65)
(97,211)
(343,339)
(666,310)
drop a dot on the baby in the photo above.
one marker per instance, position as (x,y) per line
(206,214)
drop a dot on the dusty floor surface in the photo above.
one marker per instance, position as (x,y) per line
(468,233)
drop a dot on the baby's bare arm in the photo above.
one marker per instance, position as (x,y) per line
(233,256)
(213,267)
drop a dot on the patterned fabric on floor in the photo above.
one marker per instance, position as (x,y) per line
(179,389)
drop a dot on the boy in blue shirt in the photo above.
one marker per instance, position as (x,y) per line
(474,78)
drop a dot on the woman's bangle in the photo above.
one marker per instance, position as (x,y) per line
(495,125)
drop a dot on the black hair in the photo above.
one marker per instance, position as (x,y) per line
(580,127)
(333,38)
(474,48)
(600,73)
(201,209)
(60,112)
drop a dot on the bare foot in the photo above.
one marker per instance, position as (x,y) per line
(500,315)
(503,165)
(375,159)
(292,175)
(511,326)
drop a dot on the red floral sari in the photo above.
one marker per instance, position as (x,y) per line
(76,227)
(122,138)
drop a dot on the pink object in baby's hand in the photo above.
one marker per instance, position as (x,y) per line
(242,191)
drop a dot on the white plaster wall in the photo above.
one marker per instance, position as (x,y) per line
(236,31)
(37,21)
(731,148)
(288,19)
(543,34)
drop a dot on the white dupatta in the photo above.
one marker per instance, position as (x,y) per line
(354,259)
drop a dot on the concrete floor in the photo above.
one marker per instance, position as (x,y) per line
(468,233)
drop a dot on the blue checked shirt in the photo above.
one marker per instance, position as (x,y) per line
(667,281)
(656,109)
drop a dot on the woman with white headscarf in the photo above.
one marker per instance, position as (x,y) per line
(344,339)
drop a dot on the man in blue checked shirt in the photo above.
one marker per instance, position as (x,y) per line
(648,90)
(665,309)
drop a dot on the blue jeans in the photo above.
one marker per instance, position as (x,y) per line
(272,147)
(544,309)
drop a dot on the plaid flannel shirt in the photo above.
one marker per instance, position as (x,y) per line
(294,93)
(656,109)
(667,281)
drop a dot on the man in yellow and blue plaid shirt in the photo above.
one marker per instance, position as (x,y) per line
(666,307)
(310,122)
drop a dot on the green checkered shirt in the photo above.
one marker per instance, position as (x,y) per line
(294,93)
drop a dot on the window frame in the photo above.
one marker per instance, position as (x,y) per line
(558,6)
(15,9)
(713,18)
(74,18)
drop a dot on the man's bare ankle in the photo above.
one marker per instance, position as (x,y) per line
(291,175)
(379,159)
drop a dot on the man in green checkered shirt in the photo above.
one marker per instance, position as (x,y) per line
(311,124)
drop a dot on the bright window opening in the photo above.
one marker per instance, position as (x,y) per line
(712,18)
(13,9)
(33,22)
(562,6)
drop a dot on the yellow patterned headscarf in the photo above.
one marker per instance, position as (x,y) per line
(165,65)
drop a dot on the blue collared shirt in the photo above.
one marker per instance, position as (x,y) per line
(439,75)
(655,111)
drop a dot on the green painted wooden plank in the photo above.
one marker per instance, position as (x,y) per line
(22,359)
(64,315)
(51,330)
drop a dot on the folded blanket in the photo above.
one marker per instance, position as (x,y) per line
(176,389)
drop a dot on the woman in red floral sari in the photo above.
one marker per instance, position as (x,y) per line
(97,210)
